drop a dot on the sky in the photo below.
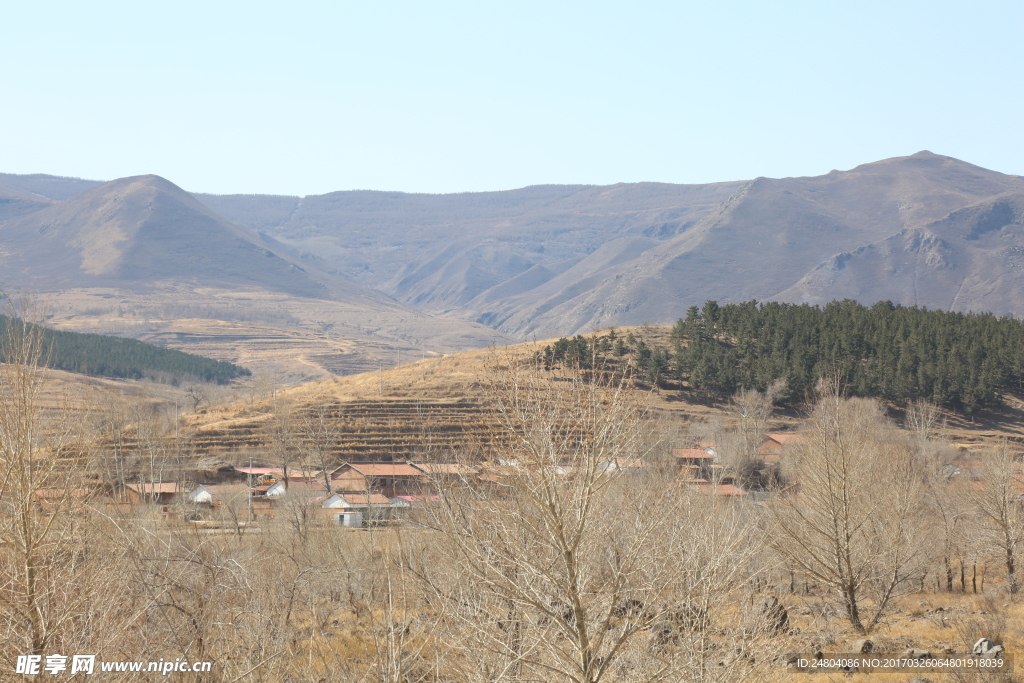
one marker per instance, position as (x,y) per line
(309,97)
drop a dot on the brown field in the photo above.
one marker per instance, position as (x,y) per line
(429,407)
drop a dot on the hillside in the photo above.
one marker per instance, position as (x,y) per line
(551,260)
(428,409)
(342,282)
(135,256)
(43,187)
(116,357)
(970,260)
(138,232)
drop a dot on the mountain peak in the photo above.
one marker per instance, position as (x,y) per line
(137,231)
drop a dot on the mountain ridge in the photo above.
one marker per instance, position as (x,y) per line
(548,260)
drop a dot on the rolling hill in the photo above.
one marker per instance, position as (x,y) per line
(436,271)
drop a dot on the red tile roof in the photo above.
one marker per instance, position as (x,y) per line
(385,469)
(150,488)
(692,454)
(419,499)
(51,494)
(723,490)
(786,439)
(260,470)
(443,468)
(364,499)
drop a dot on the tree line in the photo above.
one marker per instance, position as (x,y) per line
(894,352)
(105,356)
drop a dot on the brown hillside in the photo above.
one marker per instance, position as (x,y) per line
(426,409)
(550,260)
(141,257)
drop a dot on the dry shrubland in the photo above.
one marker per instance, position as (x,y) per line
(566,564)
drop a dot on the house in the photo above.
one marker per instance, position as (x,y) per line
(622,465)
(162,495)
(416,500)
(159,493)
(445,473)
(296,490)
(691,474)
(362,509)
(387,478)
(50,500)
(772,447)
(703,459)
(269,472)
(216,495)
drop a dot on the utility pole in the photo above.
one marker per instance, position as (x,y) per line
(380,377)
(249,496)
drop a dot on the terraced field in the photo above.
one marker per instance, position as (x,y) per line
(427,409)
(384,430)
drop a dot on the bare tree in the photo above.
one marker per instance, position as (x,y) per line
(282,433)
(996,501)
(557,566)
(197,395)
(40,495)
(320,430)
(752,410)
(922,419)
(853,523)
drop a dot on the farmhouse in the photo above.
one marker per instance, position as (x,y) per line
(361,509)
(695,463)
(774,445)
(159,493)
(387,478)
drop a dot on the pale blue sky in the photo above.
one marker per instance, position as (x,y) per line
(309,97)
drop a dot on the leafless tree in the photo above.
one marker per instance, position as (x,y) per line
(197,394)
(997,505)
(737,447)
(40,496)
(922,419)
(282,433)
(853,523)
(320,430)
(560,566)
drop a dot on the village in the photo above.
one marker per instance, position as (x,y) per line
(367,494)
(363,494)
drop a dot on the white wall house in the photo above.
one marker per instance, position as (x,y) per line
(358,509)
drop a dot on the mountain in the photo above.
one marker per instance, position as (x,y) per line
(555,259)
(762,241)
(42,186)
(137,255)
(552,260)
(137,232)
(970,260)
(439,252)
